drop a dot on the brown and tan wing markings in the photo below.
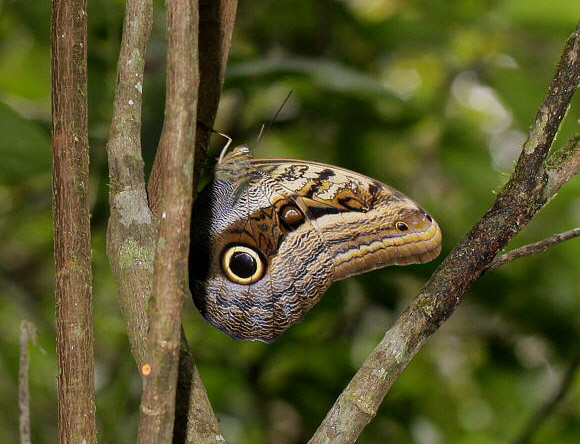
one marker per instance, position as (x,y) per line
(310,224)
(266,308)
(336,207)
(307,182)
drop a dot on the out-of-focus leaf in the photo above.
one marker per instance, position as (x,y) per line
(544,14)
(24,147)
(324,73)
(24,66)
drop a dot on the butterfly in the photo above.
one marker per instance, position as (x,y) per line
(269,237)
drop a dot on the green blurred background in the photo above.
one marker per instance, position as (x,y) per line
(433,98)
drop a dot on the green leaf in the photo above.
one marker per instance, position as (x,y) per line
(24,147)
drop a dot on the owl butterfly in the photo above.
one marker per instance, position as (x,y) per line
(269,236)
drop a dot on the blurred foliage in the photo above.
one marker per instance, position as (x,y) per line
(433,98)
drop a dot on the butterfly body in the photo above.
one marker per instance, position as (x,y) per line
(269,236)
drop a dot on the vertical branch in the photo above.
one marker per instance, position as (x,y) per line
(26,331)
(132,229)
(194,419)
(172,195)
(216,25)
(72,238)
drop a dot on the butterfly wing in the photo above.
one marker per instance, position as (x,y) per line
(257,265)
(270,236)
(365,223)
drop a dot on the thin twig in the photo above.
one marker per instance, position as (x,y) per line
(536,247)
(27,334)
(551,403)
(26,331)
(514,207)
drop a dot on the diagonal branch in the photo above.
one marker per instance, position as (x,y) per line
(536,247)
(544,411)
(515,205)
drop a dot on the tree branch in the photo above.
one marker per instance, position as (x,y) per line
(551,403)
(536,247)
(562,165)
(27,333)
(195,420)
(132,229)
(72,236)
(132,232)
(216,25)
(172,194)
(515,205)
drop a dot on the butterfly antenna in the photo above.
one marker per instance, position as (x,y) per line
(262,131)
(225,148)
(229,139)
(267,126)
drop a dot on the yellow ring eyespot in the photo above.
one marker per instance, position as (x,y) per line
(242,264)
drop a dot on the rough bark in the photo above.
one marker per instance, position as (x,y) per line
(132,229)
(524,194)
(132,232)
(216,22)
(175,171)
(536,247)
(72,237)
(216,25)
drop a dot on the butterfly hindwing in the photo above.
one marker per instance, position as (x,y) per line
(269,236)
